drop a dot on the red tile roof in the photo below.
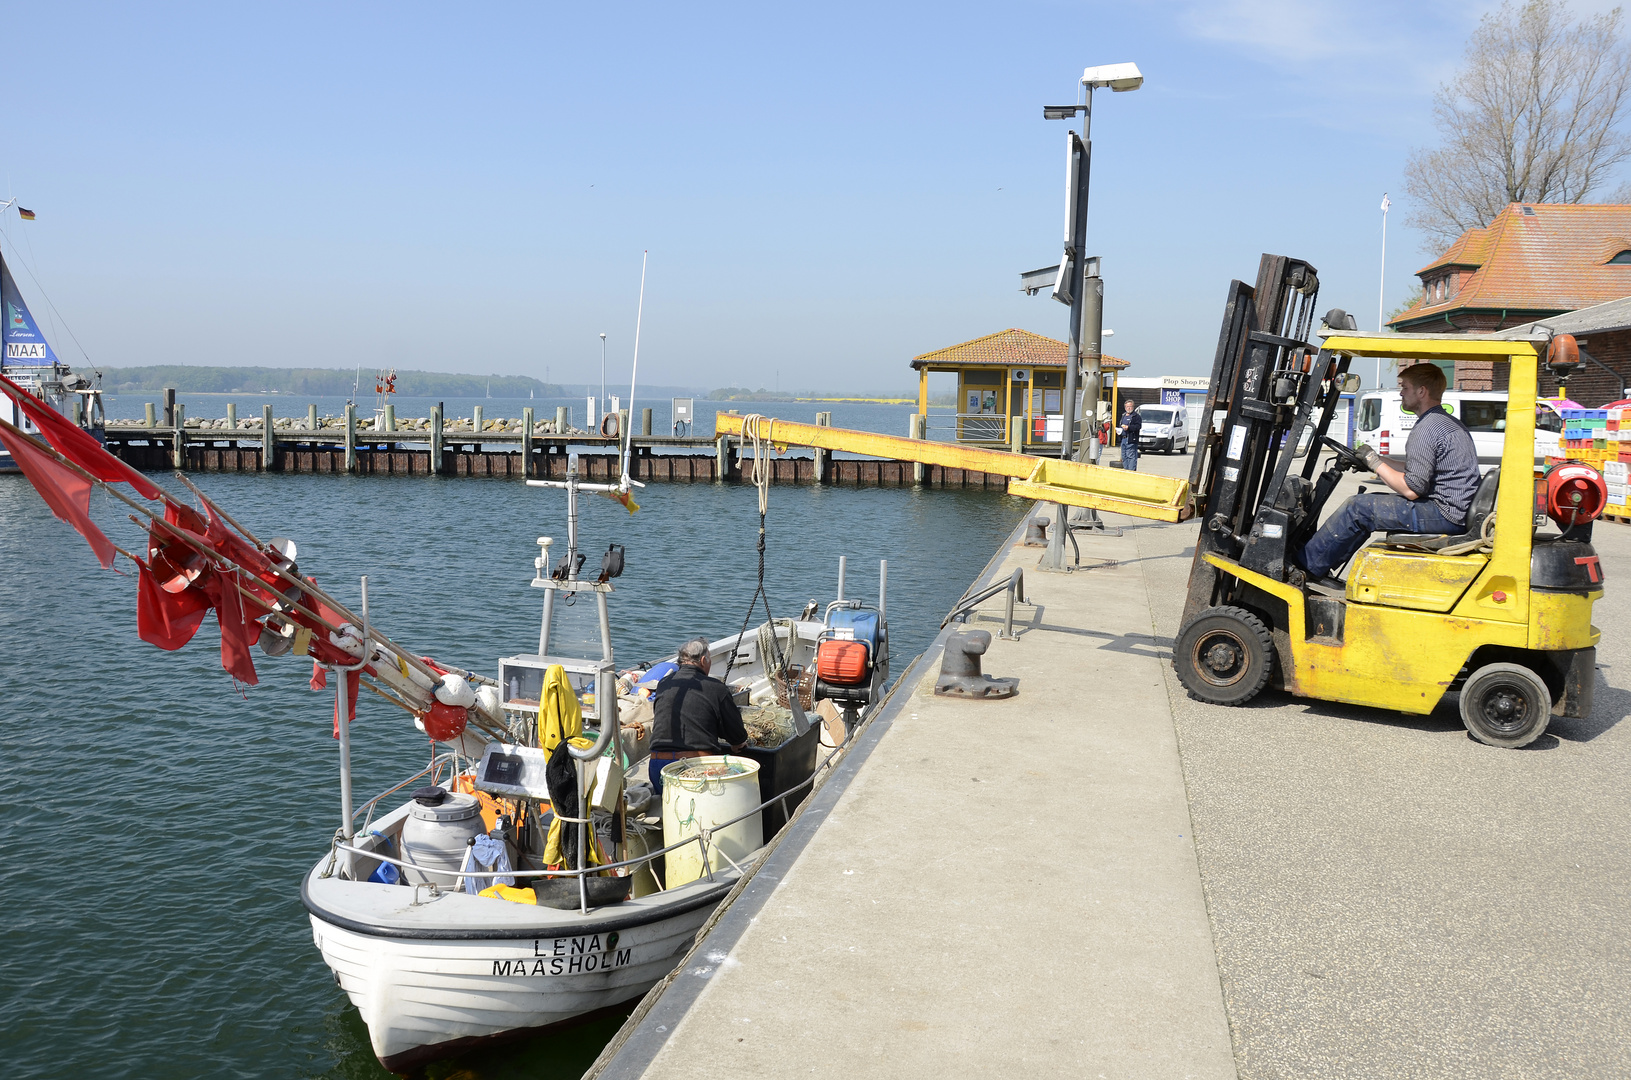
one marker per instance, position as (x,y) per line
(1534,257)
(1006,348)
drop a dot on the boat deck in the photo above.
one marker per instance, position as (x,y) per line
(1101,877)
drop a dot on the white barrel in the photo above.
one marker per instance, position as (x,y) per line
(437,832)
(700,793)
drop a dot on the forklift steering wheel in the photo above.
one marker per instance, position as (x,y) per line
(1346,458)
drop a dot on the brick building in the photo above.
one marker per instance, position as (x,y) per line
(1532,264)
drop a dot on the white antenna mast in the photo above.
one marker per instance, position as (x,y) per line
(628,436)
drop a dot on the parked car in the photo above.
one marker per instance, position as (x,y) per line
(1383,424)
(1166,428)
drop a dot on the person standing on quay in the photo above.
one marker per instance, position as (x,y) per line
(1131,424)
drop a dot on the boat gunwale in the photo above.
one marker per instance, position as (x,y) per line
(623,919)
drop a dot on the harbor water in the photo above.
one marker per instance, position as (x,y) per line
(160,818)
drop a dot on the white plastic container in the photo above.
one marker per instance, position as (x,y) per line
(436,834)
(700,793)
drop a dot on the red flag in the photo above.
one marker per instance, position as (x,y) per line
(75,443)
(66,492)
(168,620)
(239,630)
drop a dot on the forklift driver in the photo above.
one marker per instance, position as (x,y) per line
(1433,493)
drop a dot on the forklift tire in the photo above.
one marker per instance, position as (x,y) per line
(1224,657)
(1505,705)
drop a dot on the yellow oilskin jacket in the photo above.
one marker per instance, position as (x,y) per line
(560,717)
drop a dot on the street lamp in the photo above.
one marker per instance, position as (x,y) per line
(602,377)
(1076,280)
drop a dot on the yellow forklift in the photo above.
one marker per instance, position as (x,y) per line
(1500,614)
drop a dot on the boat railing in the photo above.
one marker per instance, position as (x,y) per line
(703,838)
(1014,587)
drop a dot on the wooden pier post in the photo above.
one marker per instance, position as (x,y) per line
(350,437)
(178,443)
(311,417)
(823,458)
(645,422)
(917,428)
(232,416)
(169,406)
(475,425)
(436,440)
(721,457)
(152,419)
(268,447)
(526,442)
(563,418)
(388,422)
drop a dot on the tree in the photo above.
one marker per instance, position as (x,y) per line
(1533,116)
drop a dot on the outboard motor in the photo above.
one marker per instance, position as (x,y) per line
(852,657)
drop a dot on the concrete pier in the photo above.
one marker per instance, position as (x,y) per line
(1102,877)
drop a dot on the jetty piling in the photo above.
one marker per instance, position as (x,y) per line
(440,446)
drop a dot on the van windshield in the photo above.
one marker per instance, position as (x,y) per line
(1156,416)
(1483,414)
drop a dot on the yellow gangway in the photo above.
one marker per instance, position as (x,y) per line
(1142,495)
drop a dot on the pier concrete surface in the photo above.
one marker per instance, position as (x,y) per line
(1103,877)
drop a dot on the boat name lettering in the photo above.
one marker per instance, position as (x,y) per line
(579,964)
(25,350)
(577,946)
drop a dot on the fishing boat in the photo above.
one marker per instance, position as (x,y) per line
(30,362)
(436,960)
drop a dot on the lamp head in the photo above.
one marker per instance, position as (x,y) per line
(1117,77)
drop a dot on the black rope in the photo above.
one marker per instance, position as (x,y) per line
(758,593)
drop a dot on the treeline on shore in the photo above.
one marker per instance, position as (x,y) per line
(317,382)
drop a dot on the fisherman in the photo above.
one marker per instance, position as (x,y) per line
(694,713)
(1431,495)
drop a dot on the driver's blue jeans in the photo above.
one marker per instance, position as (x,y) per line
(1346,531)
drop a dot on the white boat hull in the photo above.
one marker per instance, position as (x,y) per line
(428,985)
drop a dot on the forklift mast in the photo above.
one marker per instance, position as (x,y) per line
(1277,393)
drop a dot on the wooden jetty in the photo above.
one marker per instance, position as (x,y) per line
(456,450)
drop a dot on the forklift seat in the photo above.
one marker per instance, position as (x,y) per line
(1483,505)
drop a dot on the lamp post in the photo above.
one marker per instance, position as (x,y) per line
(602,405)
(1077,280)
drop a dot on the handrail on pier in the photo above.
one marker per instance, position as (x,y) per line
(1014,587)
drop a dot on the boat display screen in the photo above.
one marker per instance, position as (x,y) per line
(514,771)
(503,769)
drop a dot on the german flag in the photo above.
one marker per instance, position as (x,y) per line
(26,215)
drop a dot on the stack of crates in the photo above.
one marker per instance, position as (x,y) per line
(1615,473)
(1586,436)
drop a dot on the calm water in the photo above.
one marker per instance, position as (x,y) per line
(160,820)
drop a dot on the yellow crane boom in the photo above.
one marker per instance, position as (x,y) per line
(1142,495)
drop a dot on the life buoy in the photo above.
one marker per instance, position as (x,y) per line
(608,425)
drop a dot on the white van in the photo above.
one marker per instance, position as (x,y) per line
(1384,425)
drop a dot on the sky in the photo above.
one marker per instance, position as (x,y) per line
(825,191)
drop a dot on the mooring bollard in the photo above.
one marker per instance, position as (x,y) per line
(960,674)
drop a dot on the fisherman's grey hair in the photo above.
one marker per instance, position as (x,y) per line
(694,650)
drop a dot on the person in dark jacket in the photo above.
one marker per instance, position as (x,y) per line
(1432,494)
(1131,424)
(693,713)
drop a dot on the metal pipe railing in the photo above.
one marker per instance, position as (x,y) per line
(1014,586)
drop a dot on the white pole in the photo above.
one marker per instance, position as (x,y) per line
(602,367)
(628,439)
(1381,288)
